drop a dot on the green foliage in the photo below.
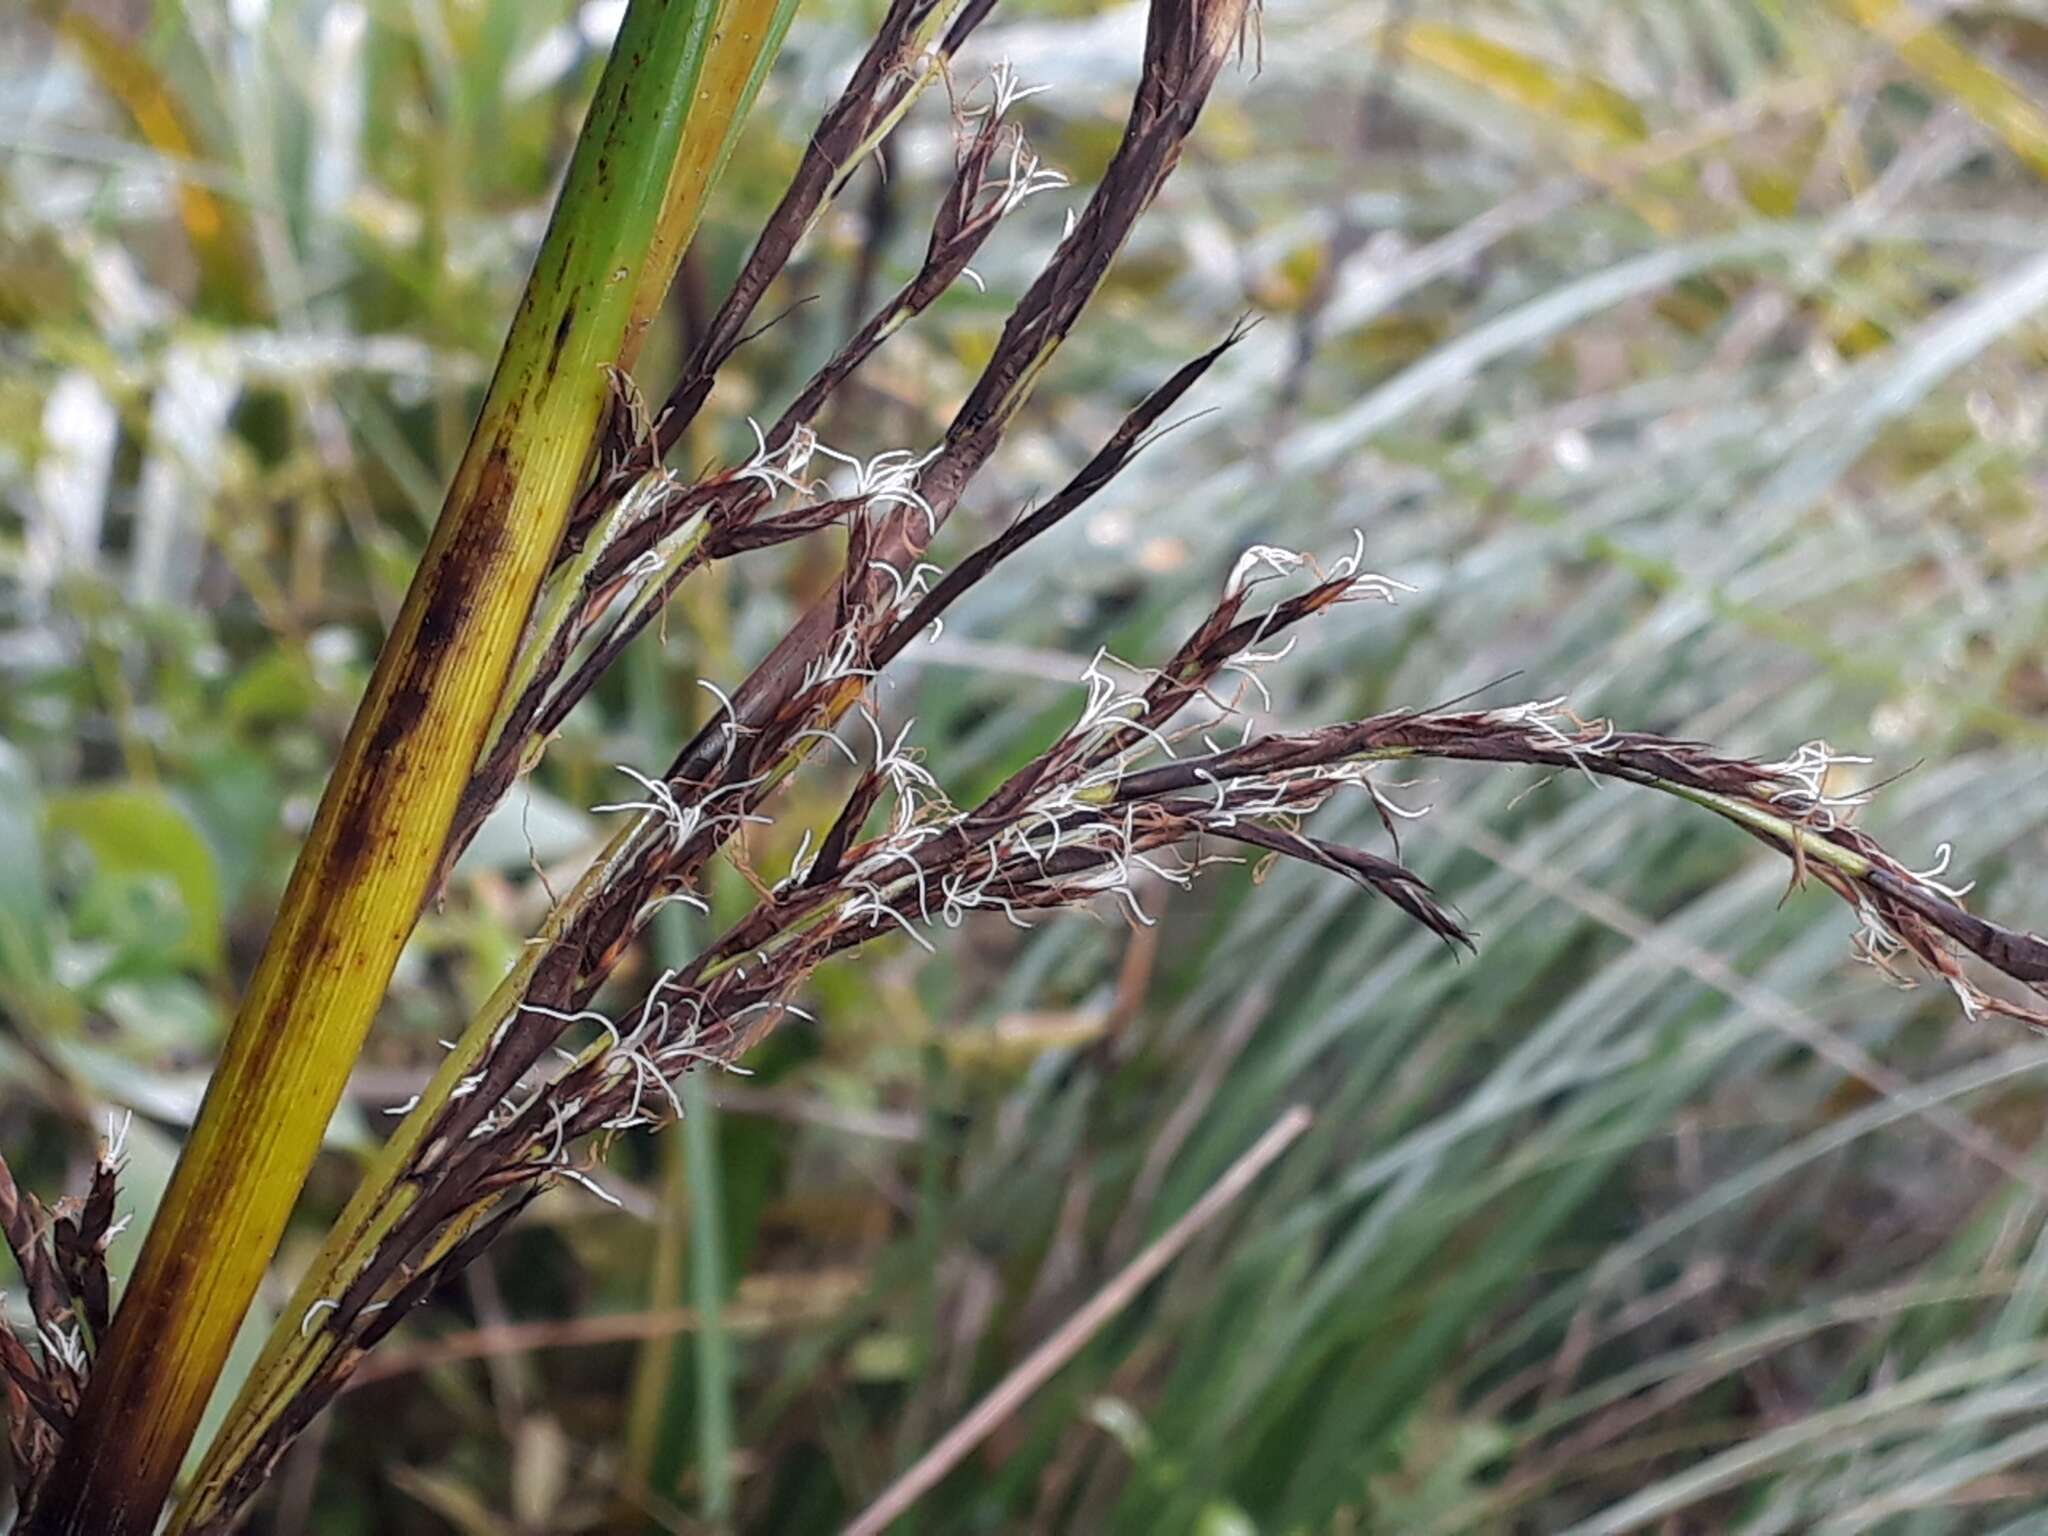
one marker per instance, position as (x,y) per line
(154,896)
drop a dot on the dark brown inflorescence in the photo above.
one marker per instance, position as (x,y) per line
(1164,770)
(638,532)
(61,1252)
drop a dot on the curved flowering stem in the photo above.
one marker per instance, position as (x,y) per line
(1787,804)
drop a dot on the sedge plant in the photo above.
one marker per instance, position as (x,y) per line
(566,535)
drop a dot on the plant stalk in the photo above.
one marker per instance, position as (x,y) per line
(635,185)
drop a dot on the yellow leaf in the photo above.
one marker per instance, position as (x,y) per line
(218,232)
(1931,52)
(1570,99)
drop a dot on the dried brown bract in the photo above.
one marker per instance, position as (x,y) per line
(61,1252)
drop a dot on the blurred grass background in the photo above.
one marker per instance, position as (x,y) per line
(1688,355)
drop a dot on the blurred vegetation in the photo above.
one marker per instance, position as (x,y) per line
(1688,355)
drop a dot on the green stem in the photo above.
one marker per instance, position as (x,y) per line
(367,863)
